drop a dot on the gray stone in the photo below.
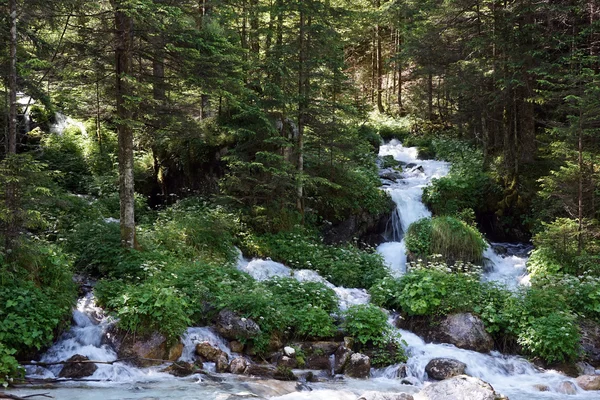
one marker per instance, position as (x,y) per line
(233,327)
(444,368)
(459,388)
(77,368)
(289,351)
(318,362)
(238,365)
(589,382)
(584,368)
(287,362)
(465,331)
(143,350)
(222,363)
(342,355)
(385,396)
(324,348)
(181,369)
(359,366)
(261,371)
(236,347)
(567,387)
(209,352)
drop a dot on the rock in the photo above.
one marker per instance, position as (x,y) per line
(567,387)
(590,341)
(238,365)
(181,369)
(284,374)
(324,348)
(444,368)
(261,371)
(209,352)
(342,355)
(358,366)
(385,396)
(236,346)
(275,342)
(222,363)
(465,331)
(459,388)
(410,165)
(348,342)
(289,351)
(584,368)
(287,362)
(390,176)
(318,362)
(368,228)
(143,350)
(78,369)
(232,327)
(589,382)
(541,388)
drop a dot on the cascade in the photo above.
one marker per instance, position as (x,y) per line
(510,375)
(63,122)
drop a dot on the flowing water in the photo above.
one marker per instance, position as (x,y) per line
(511,375)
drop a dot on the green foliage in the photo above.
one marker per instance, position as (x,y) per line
(345,266)
(146,308)
(9,366)
(367,324)
(390,128)
(467,186)
(65,154)
(554,337)
(449,237)
(558,248)
(194,229)
(429,289)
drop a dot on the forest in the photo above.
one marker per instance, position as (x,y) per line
(149,145)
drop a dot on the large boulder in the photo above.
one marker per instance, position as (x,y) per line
(261,371)
(324,348)
(385,396)
(358,366)
(368,228)
(342,355)
(78,367)
(589,382)
(584,368)
(444,368)
(465,331)
(238,365)
(143,350)
(590,341)
(318,362)
(208,352)
(182,368)
(459,388)
(566,387)
(232,327)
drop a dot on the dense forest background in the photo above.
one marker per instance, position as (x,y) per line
(211,123)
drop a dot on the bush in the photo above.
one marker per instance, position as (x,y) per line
(146,308)
(368,324)
(345,266)
(9,366)
(467,186)
(192,229)
(553,337)
(453,239)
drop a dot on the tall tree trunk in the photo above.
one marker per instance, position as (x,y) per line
(430,95)
(123,64)
(303,92)
(11,147)
(580,183)
(379,66)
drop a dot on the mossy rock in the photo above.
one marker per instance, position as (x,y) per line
(450,237)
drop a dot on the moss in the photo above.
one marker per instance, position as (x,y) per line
(452,238)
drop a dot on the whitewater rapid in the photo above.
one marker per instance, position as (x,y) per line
(512,376)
